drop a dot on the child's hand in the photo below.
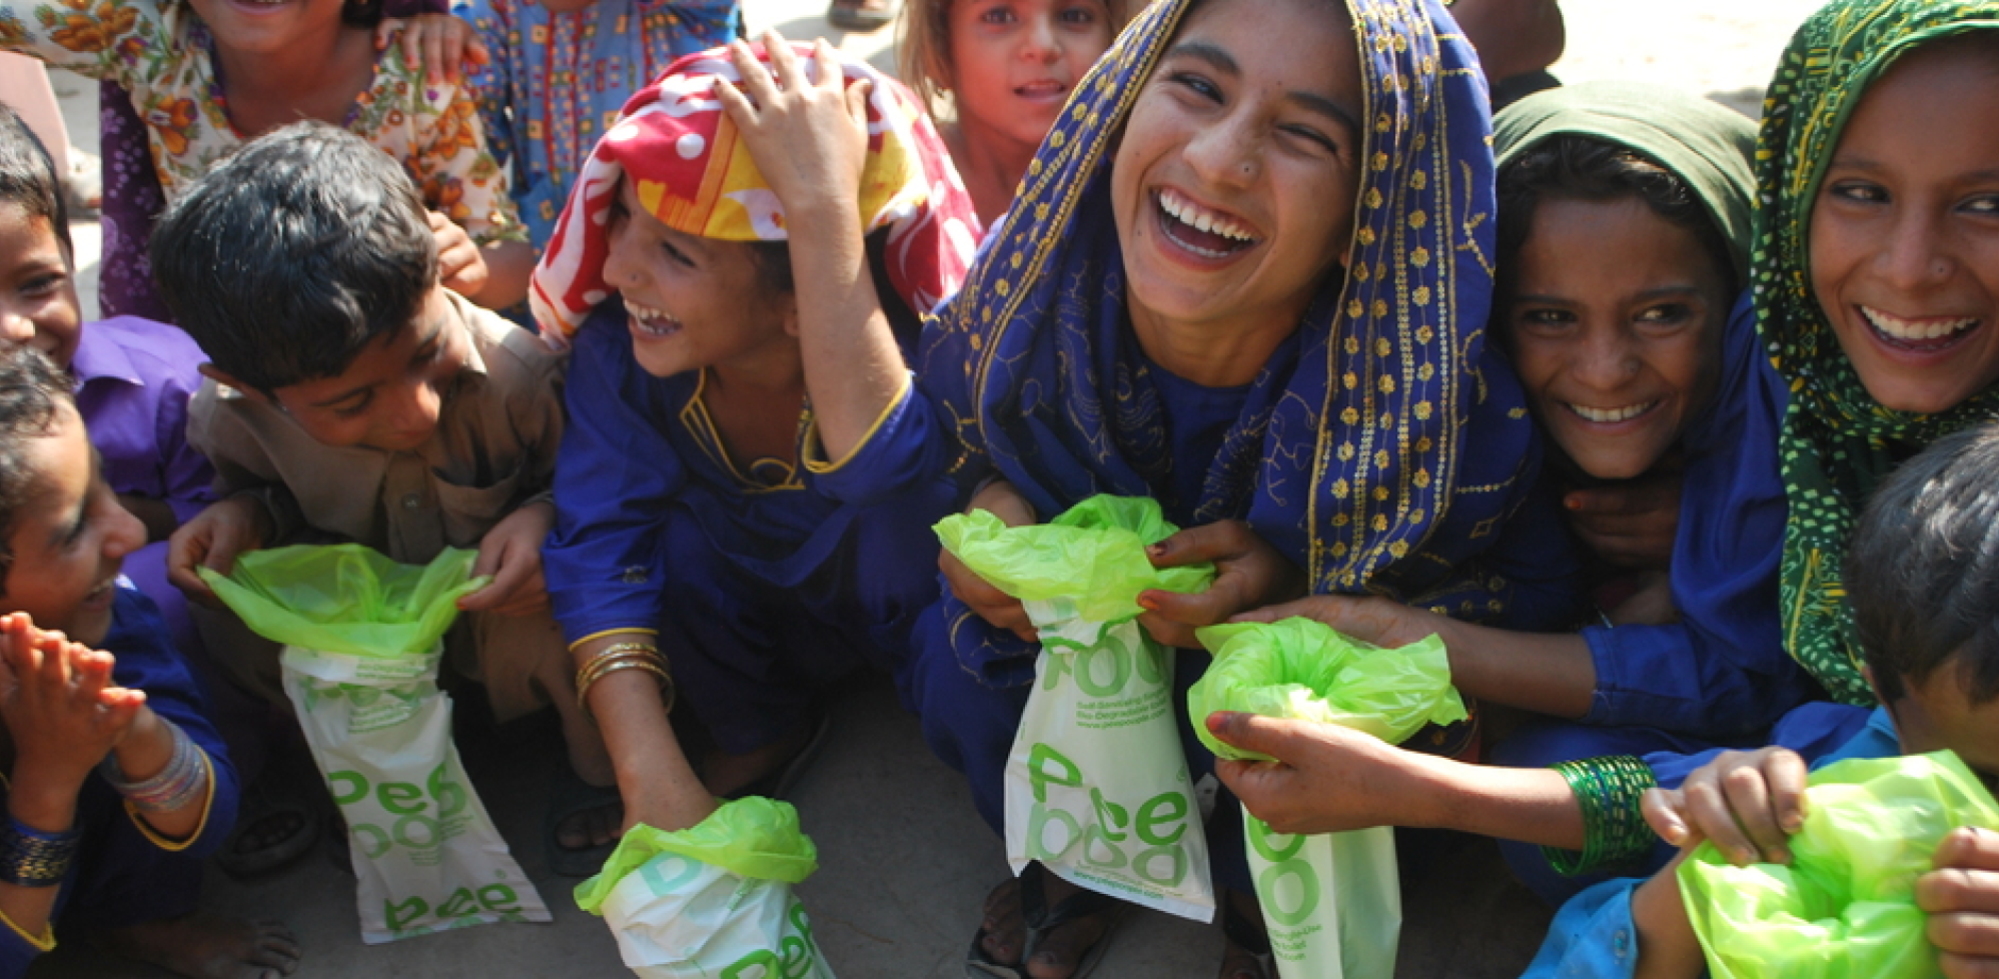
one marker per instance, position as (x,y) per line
(1249,573)
(511,553)
(1961,896)
(461,265)
(60,706)
(999,609)
(1326,779)
(809,139)
(1631,525)
(438,42)
(212,540)
(1382,621)
(1748,803)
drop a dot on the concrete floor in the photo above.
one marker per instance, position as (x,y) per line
(905,865)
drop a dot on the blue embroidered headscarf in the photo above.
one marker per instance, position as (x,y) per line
(1382,445)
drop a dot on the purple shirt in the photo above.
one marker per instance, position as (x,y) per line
(133,381)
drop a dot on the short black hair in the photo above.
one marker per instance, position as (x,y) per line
(1922,572)
(33,391)
(28,177)
(291,256)
(1574,167)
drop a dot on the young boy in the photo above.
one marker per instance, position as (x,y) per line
(117,784)
(134,377)
(351,397)
(1923,578)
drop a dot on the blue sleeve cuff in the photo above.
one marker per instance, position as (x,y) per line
(1592,937)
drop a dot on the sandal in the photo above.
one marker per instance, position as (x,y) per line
(1041,921)
(859,16)
(1247,938)
(271,832)
(569,795)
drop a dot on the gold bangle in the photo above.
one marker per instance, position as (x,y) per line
(599,664)
(623,647)
(600,667)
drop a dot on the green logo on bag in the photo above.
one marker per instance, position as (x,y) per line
(416,828)
(1285,905)
(794,958)
(1161,822)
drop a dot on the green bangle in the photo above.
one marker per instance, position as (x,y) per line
(1615,835)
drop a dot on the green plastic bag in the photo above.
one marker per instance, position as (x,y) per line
(1089,564)
(1332,902)
(1302,669)
(362,640)
(1096,781)
(714,900)
(346,598)
(1845,906)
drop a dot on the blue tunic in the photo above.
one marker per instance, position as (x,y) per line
(1593,935)
(1719,675)
(121,876)
(764,580)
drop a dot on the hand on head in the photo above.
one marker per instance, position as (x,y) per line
(809,139)
(1749,803)
(461,264)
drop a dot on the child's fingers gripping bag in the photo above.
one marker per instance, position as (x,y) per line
(362,638)
(1331,901)
(1845,905)
(1096,782)
(713,901)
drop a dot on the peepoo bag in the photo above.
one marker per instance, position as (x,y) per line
(1845,906)
(363,636)
(1096,782)
(1331,901)
(712,902)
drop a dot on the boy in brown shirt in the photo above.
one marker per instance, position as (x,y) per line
(353,398)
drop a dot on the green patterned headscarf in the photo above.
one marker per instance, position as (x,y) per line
(1837,441)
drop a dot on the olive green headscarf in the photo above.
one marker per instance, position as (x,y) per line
(1705,144)
(1837,441)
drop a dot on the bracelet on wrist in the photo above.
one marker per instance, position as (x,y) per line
(32,858)
(173,787)
(624,656)
(1608,790)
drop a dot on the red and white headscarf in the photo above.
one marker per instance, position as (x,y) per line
(693,173)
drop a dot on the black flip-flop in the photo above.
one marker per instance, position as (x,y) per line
(1041,920)
(568,795)
(261,807)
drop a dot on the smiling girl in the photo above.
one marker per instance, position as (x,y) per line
(709,525)
(1008,67)
(207,76)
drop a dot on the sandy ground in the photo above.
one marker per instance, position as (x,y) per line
(905,864)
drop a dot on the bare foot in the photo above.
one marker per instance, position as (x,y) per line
(727,775)
(208,946)
(590,827)
(1004,930)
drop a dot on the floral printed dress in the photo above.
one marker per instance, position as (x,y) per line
(164,56)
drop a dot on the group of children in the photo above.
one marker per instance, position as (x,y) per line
(1245,260)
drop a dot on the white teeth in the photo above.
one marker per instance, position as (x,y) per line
(1606,415)
(656,322)
(1201,219)
(1927,329)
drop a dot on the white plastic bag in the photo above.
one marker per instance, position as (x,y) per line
(426,856)
(712,902)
